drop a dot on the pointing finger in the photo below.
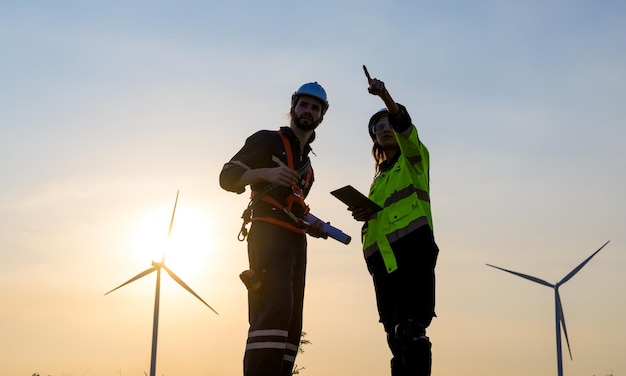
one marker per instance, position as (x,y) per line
(367,74)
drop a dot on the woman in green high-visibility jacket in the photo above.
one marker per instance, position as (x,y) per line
(398,242)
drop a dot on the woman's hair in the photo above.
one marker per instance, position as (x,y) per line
(379,155)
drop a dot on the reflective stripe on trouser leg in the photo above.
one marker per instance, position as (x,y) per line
(267,339)
(264,352)
(289,359)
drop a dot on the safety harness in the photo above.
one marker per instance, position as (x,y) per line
(295,198)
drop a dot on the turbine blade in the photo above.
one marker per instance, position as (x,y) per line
(562,320)
(582,264)
(186,287)
(529,277)
(173,212)
(142,274)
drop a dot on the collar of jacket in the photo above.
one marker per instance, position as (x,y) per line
(287,131)
(387,164)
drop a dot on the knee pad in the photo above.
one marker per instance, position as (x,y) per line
(410,332)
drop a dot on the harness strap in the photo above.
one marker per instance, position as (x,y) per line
(296,197)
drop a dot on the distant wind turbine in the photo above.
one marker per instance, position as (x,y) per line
(157,266)
(560,318)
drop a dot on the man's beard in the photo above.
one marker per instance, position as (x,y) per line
(310,126)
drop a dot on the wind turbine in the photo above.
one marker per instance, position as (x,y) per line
(157,266)
(560,318)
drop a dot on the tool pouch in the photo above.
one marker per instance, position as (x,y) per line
(250,279)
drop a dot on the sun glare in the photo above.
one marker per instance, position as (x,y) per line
(186,250)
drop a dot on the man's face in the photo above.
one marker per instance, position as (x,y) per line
(307,113)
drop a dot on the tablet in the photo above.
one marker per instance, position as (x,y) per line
(351,197)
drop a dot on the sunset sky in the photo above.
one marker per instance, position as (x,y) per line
(108,109)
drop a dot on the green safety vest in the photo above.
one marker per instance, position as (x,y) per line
(403,193)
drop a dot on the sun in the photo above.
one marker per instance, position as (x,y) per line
(188,247)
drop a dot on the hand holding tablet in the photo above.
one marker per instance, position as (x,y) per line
(351,197)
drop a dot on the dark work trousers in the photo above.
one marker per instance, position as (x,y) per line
(407,297)
(278,256)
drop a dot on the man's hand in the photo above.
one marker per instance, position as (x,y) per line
(282,175)
(316,229)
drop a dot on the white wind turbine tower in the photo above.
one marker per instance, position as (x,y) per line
(560,318)
(157,266)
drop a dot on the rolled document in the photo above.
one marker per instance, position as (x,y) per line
(333,232)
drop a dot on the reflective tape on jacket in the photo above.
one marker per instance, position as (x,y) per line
(394,236)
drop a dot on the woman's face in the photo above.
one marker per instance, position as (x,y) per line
(384,133)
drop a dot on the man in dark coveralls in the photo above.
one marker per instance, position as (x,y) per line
(276,166)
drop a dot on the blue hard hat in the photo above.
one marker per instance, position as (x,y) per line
(312,89)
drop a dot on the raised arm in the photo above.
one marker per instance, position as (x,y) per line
(377,87)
